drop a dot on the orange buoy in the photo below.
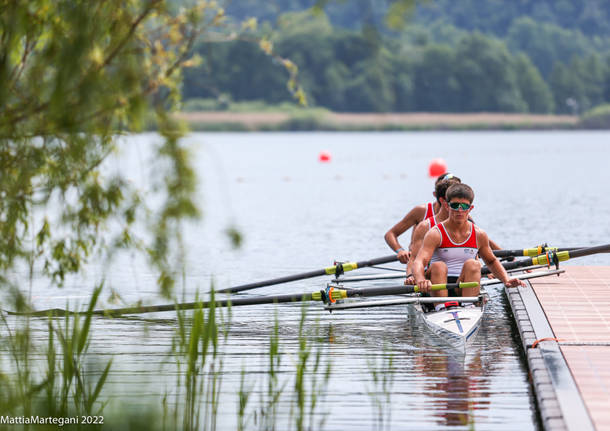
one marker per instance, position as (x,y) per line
(324,156)
(437,167)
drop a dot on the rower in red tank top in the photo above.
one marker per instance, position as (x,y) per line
(422,228)
(453,254)
(413,217)
(429,210)
(455,243)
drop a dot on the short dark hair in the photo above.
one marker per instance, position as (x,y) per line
(460,191)
(445,176)
(441,187)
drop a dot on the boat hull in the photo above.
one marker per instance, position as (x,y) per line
(456,326)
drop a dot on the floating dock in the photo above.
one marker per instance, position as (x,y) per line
(564,323)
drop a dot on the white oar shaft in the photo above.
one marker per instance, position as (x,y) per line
(525,276)
(403,275)
(369,277)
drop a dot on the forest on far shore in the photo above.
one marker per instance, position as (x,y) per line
(485,55)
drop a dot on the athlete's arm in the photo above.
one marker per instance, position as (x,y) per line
(417,239)
(492,262)
(494,245)
(411,219)
(430,243)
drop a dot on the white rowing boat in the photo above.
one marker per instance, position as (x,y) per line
(457,324)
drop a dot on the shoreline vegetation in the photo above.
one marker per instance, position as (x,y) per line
(323,120)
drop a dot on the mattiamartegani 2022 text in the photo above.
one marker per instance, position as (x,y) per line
(50,420)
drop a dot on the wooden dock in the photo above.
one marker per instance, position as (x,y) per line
(564,324)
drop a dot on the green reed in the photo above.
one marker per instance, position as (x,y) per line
(55,378)
(243,397)
(196,349)
(382,371)
(56,382)
(307,377)
(309,388)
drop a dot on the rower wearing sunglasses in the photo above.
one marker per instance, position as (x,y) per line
(413,217)
(423,227)
(451,248)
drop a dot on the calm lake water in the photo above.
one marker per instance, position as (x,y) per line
(297,214)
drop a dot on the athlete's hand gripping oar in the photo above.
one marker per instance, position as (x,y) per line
(552,257)
(329,295)
(337,270)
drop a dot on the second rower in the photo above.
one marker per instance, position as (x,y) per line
(412,218)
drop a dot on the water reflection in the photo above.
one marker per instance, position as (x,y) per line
(451,381)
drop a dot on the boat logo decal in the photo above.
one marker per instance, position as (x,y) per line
(457,320)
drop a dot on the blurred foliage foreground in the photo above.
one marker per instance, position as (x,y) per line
(75,74)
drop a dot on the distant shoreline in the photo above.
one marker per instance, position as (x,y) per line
(334,121)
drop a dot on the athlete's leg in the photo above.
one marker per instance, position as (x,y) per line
(471,271)
(438,275)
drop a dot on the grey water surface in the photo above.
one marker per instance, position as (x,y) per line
(297,214)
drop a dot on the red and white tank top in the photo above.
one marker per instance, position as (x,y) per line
(454,255)
(429,210)
(432,221)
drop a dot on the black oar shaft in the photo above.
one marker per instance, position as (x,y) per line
(257,300)
(342,267)
(589,251)
(531,252)
(544,258)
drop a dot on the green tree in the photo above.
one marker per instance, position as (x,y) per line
(485,76)
(370,90)
(545,43)
(75,74)
(532,87)
(238,69)
(580,85)
(436,88)
(565,89)
(402,82)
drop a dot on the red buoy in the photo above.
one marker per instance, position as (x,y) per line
(437,167)
(324,156)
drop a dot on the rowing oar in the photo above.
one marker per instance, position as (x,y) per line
(399,301)
(525,276)
(375,277)
(552,257)
(531,252)
(338,269)
(328,295)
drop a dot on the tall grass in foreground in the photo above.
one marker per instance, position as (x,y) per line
(382,371)
(196,352)
(59,379)
(301,392)
(61,385)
